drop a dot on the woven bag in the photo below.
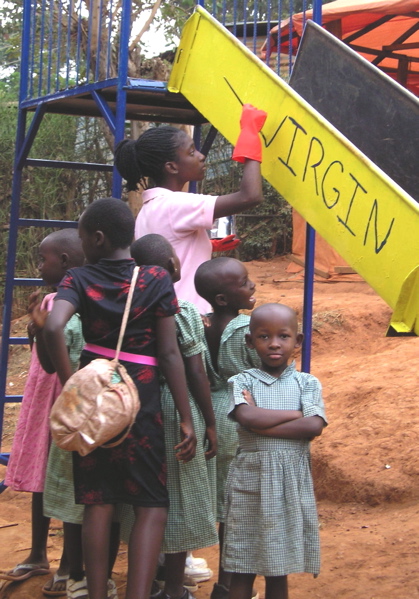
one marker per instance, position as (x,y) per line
(99,403)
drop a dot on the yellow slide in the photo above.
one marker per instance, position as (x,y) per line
(356,207)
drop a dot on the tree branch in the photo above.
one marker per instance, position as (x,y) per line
(115,12)
(146,24)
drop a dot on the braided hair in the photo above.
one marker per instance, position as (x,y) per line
(146,156)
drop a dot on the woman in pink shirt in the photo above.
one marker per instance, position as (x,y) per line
(167,157)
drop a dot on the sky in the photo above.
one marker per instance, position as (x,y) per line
(154,43)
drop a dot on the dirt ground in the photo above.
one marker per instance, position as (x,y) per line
(365,465)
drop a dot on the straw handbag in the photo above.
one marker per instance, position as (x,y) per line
(98,404)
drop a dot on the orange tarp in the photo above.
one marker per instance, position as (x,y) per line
(390,38)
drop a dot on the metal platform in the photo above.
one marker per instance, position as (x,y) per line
(147,100)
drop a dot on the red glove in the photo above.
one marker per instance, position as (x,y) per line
(249,144)
(225,244)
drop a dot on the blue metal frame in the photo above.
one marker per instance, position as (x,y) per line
(121,93)
(11,247)
(309,262)
(49,75)
(39,97)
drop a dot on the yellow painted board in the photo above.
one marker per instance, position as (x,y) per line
(356,207)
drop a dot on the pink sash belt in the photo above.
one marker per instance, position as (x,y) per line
(110,353)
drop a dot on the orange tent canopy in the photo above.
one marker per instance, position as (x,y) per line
(385,32)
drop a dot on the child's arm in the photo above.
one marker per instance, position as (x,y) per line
(199,387)
(171,365)
(39,318)
(247,414)
(258,419)
(55,339)
(314,418)
(303,428)
(248,196)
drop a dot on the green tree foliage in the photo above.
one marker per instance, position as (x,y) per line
(265,230)
(47,193)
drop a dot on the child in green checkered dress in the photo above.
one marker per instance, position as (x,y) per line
(191,519)
(271,526)
(225,284)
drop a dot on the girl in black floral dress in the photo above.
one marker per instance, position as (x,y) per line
(133,472)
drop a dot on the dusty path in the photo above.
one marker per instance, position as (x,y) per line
(365,465)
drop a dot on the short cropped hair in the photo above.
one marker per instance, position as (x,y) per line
(152,249)
(209,281)
(67,241)
(113,217)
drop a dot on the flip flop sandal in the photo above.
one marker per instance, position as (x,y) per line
(112,590)
(49,590)
(31,570)
(185,595)
(77,589)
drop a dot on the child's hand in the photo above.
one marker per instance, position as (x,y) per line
(211,437)
(206,321)
(34,299)
(185,450)
(39,316)
(248,397)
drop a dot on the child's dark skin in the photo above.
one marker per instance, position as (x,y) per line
(195,373)
(199,387)
(274,335)
(237,295)
(148,529)
(53,264)
(96,246)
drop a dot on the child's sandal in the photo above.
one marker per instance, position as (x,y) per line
(185,595)
(77,589)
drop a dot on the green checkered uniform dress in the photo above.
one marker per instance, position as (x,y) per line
(233,357)
(58,499)
(271,516)
(191,520)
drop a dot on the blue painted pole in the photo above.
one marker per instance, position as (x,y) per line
(309,262)
(14,216)
(122,94)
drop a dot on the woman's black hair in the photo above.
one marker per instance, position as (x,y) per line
(147,156)
(113,217)
(152,249)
